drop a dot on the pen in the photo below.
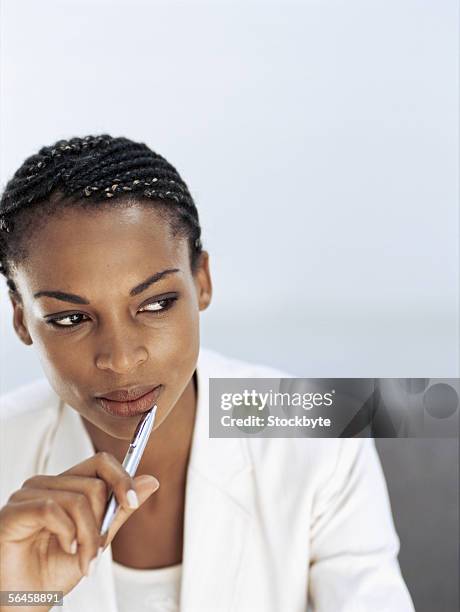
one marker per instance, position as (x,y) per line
(130,462)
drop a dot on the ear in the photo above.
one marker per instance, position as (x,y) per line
(19,322)
(203,281)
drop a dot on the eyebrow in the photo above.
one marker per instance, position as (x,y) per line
(77,299)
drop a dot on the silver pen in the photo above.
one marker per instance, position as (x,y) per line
(130,462)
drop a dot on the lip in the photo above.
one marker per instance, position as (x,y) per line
(131,402)
(127,395)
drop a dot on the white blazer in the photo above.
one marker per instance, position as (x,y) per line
(269,523)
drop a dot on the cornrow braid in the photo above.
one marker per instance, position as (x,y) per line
(90,172)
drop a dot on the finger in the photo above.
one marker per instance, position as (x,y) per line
(95,489)
(77,506)
(105,466)
(145,486)
(21,520)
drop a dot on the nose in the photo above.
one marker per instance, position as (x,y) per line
(120,351)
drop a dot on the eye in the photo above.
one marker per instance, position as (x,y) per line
(76,318)
(65,318)
(158,306)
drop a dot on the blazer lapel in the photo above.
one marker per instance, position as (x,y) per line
(217,513)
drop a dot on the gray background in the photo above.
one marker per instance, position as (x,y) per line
(320,141)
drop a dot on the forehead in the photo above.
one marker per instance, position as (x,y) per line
(78,247)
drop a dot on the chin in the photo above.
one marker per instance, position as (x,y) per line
(121,428)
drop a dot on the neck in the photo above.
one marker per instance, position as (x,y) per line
(167,452)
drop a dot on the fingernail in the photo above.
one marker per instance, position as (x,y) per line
(131,496)
(148,478)
(73,547)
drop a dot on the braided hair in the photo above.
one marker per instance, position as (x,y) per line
(93,172)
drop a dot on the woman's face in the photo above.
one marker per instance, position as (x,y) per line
(114,322)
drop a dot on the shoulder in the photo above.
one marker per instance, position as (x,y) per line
(27,417)
(310,462)
(30,401)
(217,365)
(305,460)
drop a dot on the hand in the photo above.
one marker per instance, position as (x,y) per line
(49,529)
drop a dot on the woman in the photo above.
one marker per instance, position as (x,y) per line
(101,249)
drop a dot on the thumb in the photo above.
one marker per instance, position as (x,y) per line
(145,485)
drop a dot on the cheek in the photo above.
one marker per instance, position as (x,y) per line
(64,367)
(64,370)
(176,349)
(52,355)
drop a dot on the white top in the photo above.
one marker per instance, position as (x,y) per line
(147,590)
